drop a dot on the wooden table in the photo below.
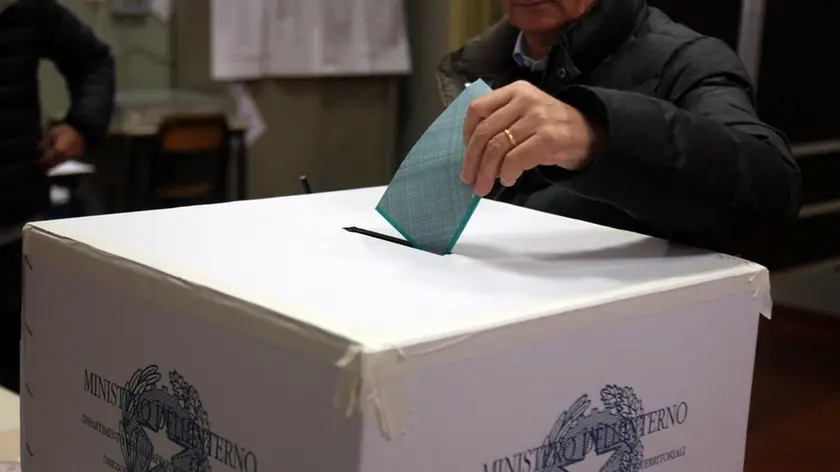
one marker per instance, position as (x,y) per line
(9,426)
(132,143)
(135,135)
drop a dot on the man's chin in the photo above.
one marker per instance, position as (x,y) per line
(539,18)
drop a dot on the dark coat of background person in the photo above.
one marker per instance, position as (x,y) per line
(684,156)
(31,30)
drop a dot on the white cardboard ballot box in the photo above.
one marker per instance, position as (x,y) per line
(263,336)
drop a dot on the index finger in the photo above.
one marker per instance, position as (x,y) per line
(481,108)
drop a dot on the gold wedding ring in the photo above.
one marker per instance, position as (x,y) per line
(510,138)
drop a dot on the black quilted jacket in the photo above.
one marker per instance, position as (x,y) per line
(31,30)
(685,158)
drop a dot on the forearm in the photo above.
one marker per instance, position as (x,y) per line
(688,177)
(87,66)
(92,91)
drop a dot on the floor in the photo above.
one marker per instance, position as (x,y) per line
(813,287)
(796,394)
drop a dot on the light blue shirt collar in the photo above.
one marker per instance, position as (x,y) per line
(521,56)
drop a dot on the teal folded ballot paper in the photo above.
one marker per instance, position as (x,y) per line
(426,201)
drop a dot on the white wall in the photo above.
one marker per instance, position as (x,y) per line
(141,49)
(429,34)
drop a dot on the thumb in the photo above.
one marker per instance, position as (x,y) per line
(50,137)
(46,142)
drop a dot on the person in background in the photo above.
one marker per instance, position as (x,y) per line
(608,111)
(31,30)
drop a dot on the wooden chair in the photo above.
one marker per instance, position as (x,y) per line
(190,165)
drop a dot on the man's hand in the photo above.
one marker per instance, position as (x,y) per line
(517,128)
(62,144)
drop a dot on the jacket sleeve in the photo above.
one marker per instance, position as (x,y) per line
(87,67)
(696,166)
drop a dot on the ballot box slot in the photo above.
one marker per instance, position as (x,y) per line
(375,235)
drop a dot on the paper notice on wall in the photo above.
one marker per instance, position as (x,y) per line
(386,36)
(162,9)
(303,38)
(238,40)
(328,38)
(248,113)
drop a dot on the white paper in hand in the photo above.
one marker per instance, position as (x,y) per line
(426,201)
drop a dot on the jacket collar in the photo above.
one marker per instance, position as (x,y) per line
(600,32)
(581,45)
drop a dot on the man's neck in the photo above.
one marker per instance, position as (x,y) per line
(540,43)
